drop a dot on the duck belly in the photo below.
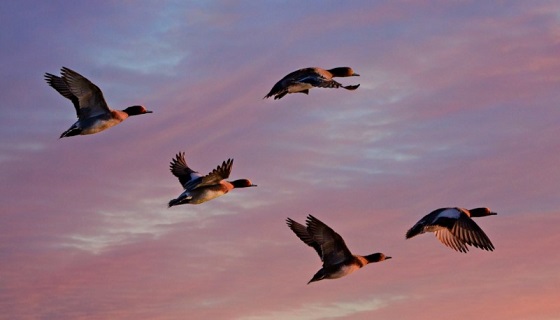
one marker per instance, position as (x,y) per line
(343,271)
(206,195)
(299,86)
(99,125)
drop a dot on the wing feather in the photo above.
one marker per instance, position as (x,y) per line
(332,245)
(181,170)
(90,97)
(302,233)
(220,173)
(469,232)
(61,87)
(447,238)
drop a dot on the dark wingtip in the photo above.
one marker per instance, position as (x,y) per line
(71,132)
(409,234)
(309,219)
(417,229)
(351,88)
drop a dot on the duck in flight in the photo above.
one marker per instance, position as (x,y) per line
(199,188)
(94,115)
(304,79)
(337,259)
(455,228)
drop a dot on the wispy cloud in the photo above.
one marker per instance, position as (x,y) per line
(329,311)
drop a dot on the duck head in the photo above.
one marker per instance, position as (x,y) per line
(136,110)
(482,212)
(343,72)
(243,183)
(376,257)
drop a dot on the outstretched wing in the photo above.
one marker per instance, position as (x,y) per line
(447,238)
(470,233)
(302,233)
(61,87)
(220,173)
(332,245)
(181,170)
(90,98)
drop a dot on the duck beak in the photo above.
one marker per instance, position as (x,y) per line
(148,111)
(355,74)
(388,258)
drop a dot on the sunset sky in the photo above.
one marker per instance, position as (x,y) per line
(459,105)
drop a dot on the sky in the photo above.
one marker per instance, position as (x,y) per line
(458,107)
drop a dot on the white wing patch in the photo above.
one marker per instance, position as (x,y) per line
(450,213)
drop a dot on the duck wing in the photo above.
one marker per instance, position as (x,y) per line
(333,248)
(447,238)
(181,170)
(61,87)
(437,219)
(302,233)
(316,77)
(90,98)
(466,230)
(220,173)
(306,75)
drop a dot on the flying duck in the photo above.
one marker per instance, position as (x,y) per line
(337,259)
(94,115)
(304,79)
(199,188)
(455,228)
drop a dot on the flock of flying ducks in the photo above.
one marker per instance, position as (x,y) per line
(452,226)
